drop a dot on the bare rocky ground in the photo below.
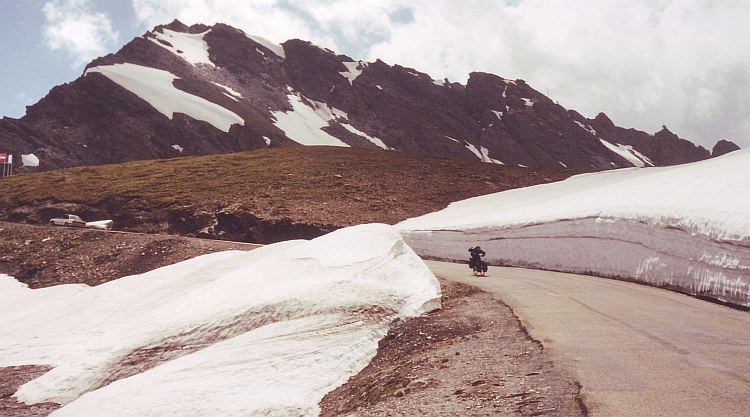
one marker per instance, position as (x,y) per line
(42,256)
(472,358)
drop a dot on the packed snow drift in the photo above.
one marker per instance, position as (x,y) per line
(264,332)
(683,227)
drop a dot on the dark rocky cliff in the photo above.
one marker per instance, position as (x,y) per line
(96,120)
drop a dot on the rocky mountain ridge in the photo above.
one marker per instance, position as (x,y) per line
(201,90)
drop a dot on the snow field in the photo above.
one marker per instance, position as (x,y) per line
(684,227)
(379,143)
(155,87)
(482,153)
(353,70)
(631,155)
(231,93)
(265,332)
(190,47)
(305,123)
(636,158)
(273,47)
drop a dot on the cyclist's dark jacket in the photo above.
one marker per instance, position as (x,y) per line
(476,254)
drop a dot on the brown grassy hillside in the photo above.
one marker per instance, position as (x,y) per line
(269,194)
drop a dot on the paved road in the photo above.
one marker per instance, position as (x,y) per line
(636,350)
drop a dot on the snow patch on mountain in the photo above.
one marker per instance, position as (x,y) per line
(190,47)
(482,153)
(326,112)
(473,149)
(339,114)
(626,151)
(586,128)
(156,87)
(264,332)
(231,97)
(372,139)
(486,156)
(273,47)
(354,70)
(304,123)
(229,90)
(685,227)
(29,160)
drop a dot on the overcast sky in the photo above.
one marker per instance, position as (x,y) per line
(645,63)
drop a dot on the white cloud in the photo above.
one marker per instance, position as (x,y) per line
(646,63)
(73,27)
(344,26)
(264,18)
(683,63)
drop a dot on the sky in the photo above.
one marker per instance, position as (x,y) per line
(645,63)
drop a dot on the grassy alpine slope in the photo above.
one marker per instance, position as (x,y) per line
(322,187)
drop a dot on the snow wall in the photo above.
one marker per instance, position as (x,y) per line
(685,227)
(264,332)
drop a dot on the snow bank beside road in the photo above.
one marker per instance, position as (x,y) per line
(100,224)
(269,331)
(686,227)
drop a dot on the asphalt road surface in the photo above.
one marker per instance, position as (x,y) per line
(636,350)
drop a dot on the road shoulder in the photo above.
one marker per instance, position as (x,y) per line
(473,357)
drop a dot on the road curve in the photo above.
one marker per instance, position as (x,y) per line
(636,350)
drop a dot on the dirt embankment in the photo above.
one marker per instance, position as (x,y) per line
(264,196)
(470,358)
(42,256)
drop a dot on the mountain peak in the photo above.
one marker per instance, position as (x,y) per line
(178,26)
(191,90)
(665,129)
(604,120)
(723,147)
